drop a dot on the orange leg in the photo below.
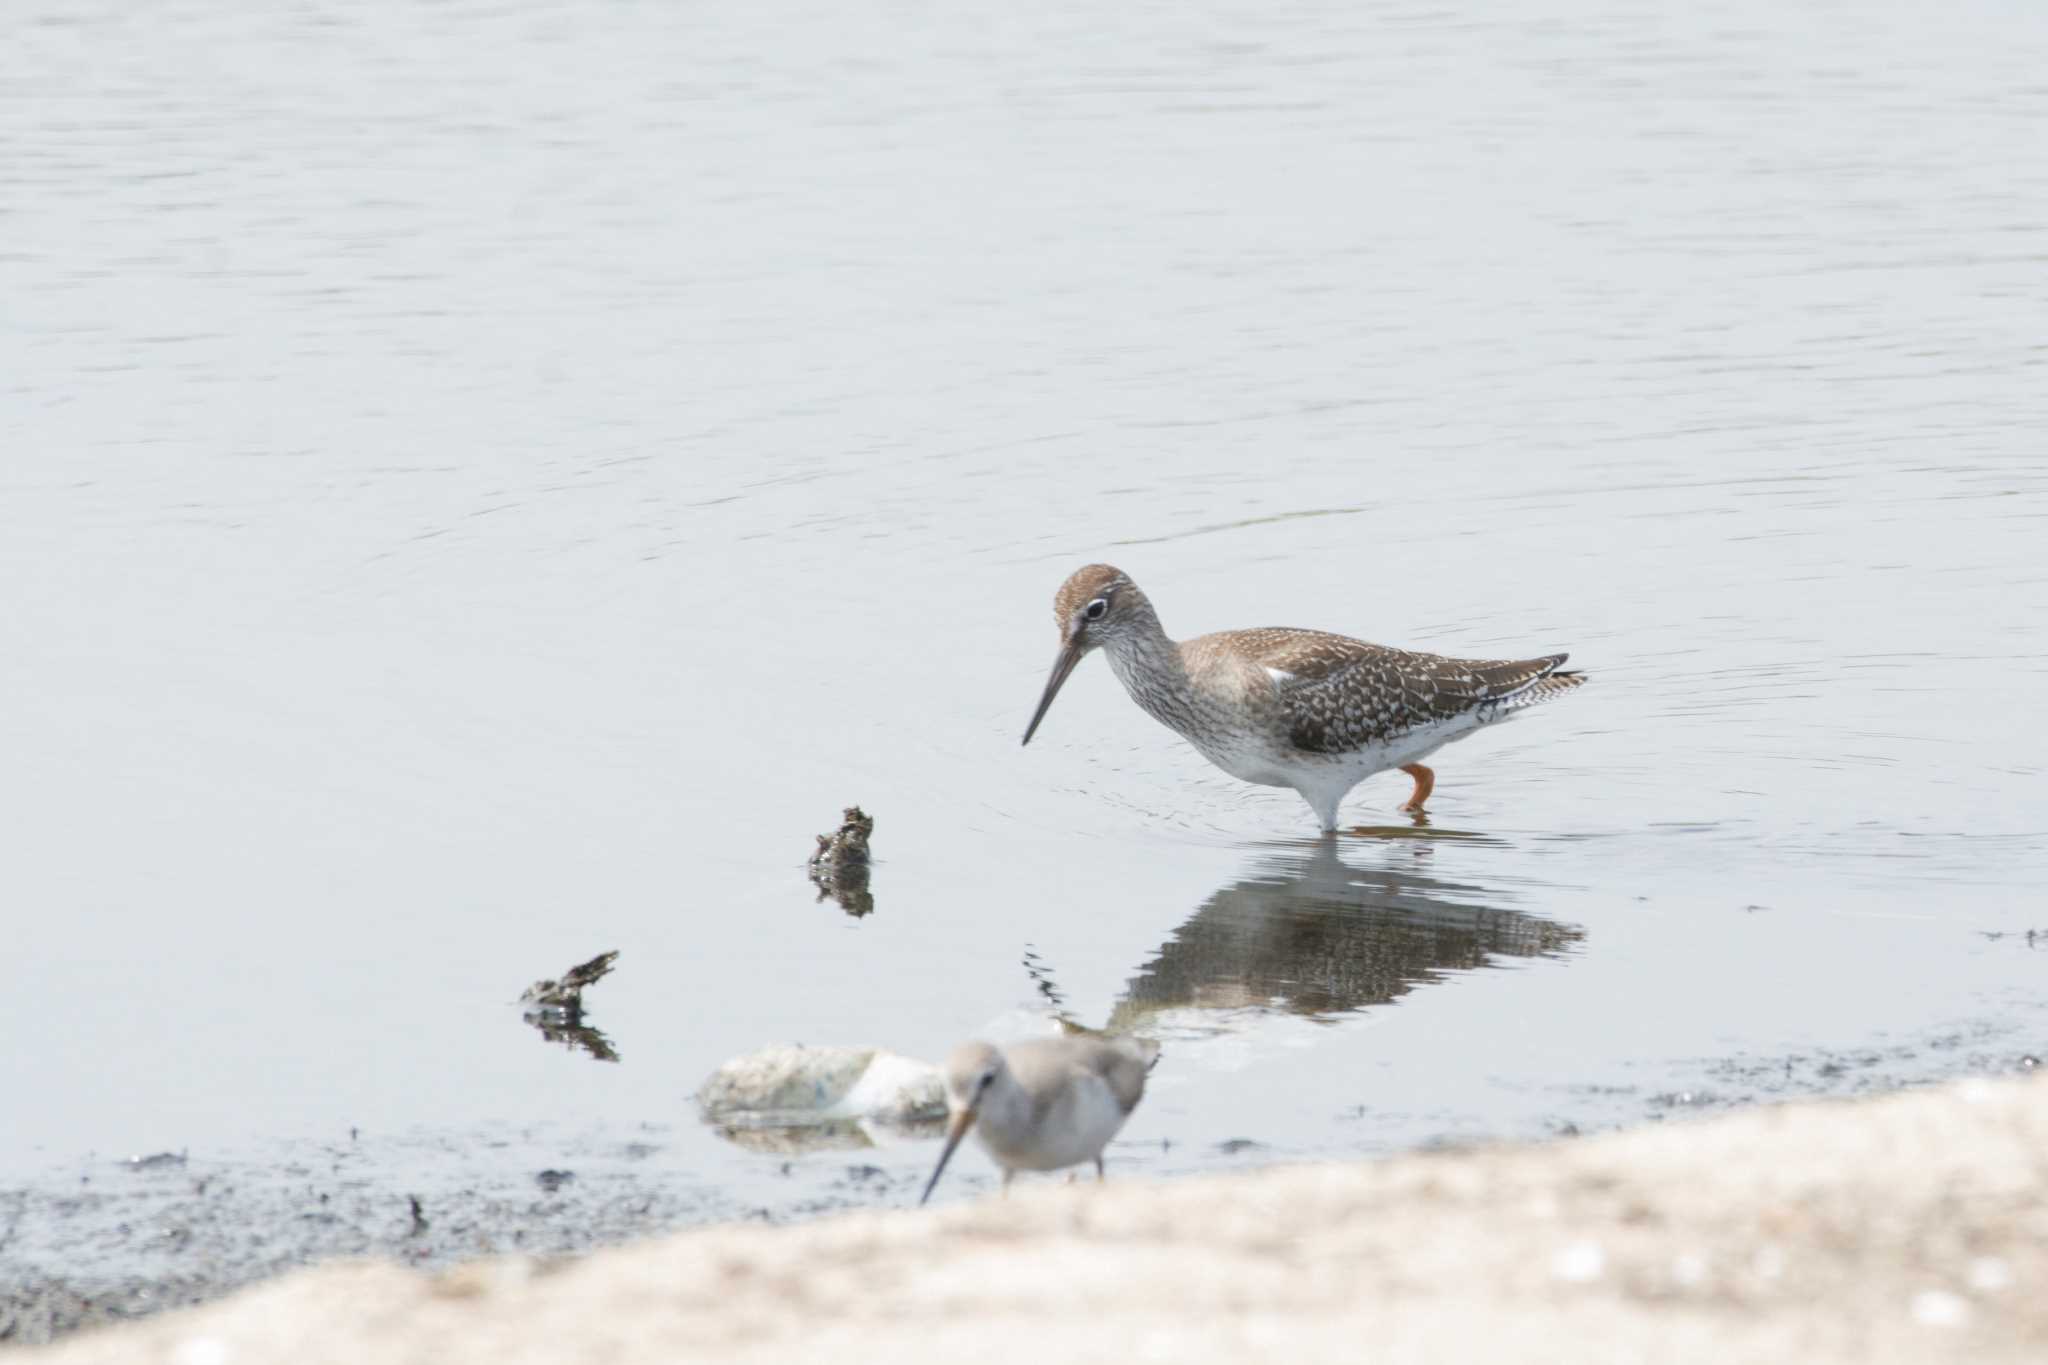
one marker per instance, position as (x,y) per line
(1425,783)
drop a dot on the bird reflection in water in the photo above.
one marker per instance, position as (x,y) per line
(1312,935)
(1306,934)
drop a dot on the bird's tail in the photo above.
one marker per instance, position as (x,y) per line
(1555,683)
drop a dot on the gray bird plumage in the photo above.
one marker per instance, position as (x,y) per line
(1044,1104)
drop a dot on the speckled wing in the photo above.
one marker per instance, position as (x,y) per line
(1338,694)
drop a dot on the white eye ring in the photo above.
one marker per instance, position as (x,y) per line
(1097,609)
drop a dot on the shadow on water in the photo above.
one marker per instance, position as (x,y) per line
(1416,827)
(827,1135)
(1313,935)
(1306,933)
(556,1025)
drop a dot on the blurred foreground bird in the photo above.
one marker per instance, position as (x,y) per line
(1045,1104)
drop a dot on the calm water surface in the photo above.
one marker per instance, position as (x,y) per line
(481,484)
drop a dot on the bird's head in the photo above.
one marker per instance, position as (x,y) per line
(970,1073)
(1096,606)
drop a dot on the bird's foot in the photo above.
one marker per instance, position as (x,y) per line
(1425,783)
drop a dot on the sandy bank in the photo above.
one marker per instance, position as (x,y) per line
(1909,1228)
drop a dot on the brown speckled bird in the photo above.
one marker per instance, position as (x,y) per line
(1291,708)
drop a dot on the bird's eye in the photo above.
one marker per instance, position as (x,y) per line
(1097,609)
(987,1079)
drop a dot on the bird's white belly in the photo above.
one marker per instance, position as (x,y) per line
(1399,750)
(1076,1131)
(1251,759)
(1420,744)
(1247,758)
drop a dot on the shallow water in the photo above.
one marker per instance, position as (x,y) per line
(485,484)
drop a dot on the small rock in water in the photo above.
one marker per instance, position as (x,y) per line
(552,1180)
(839,867)
(556,1008)
(567,993)
(823,1083)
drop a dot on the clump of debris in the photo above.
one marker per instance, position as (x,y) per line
(555,1007)
(839,869)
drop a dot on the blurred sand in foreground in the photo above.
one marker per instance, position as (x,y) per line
(1908,1228)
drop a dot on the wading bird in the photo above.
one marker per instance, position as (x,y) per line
(1045,1104)
(1291,708)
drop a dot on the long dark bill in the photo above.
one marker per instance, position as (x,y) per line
(1070,654)
(955,1130)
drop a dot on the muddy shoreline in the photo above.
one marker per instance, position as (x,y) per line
(1905,1228)
(108,1240)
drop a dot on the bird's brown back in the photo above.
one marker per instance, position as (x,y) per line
(1338,694)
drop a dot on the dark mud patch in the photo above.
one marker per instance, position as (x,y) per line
(108,1241)
(1993,1047)
(112,1239)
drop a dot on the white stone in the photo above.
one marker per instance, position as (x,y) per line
(1579,1263)
(1989,1274)
(1939,1308)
